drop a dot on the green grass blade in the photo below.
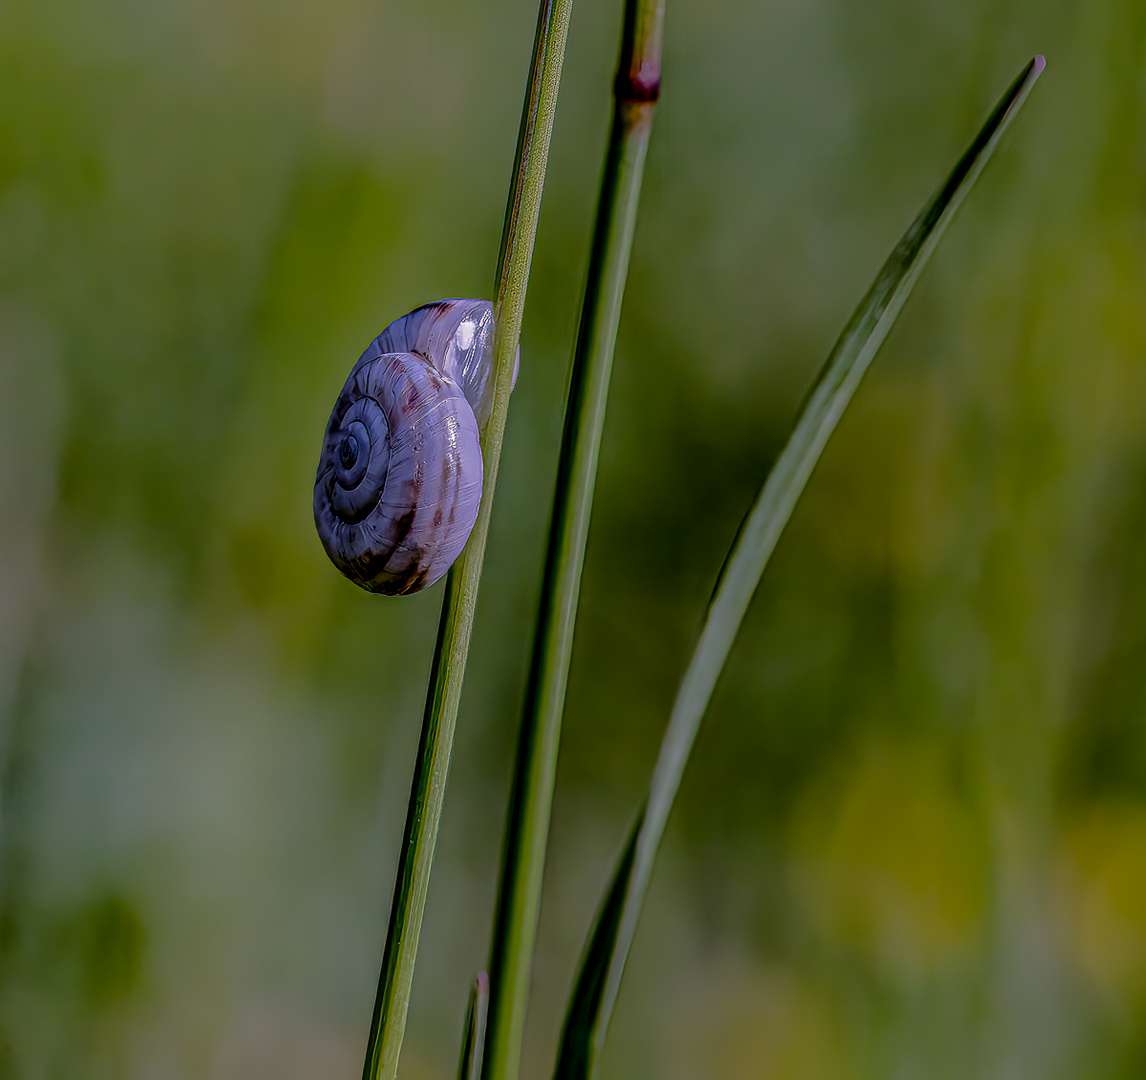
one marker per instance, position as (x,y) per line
(578,1047)
(527,828)
(427,792)
(472,1048)
(595,994)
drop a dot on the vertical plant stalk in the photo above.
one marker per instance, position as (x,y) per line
(636,90)
(427,792)
(473,1046)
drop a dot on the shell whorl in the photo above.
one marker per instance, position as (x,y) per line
(400,475)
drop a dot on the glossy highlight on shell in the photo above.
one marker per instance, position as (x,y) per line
(400,475)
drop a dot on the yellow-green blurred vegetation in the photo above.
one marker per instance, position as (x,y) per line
(912,840)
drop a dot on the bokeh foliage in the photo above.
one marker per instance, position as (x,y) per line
(913,837)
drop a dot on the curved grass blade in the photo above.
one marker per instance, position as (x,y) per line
(574,1059)
(470,1068)
(527,827)
(599,981)
(443,695)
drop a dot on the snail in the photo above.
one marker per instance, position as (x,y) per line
(400,475)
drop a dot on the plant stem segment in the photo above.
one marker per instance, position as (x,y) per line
(474,1045)
(636,90)
(427,792)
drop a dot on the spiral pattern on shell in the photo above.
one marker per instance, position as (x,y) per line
(400,475)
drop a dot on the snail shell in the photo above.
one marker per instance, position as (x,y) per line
(400,476)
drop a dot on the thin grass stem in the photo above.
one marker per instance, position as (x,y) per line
(473,1045)
(515,924)
(427,792)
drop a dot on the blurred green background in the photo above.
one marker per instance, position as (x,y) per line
(912,841)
